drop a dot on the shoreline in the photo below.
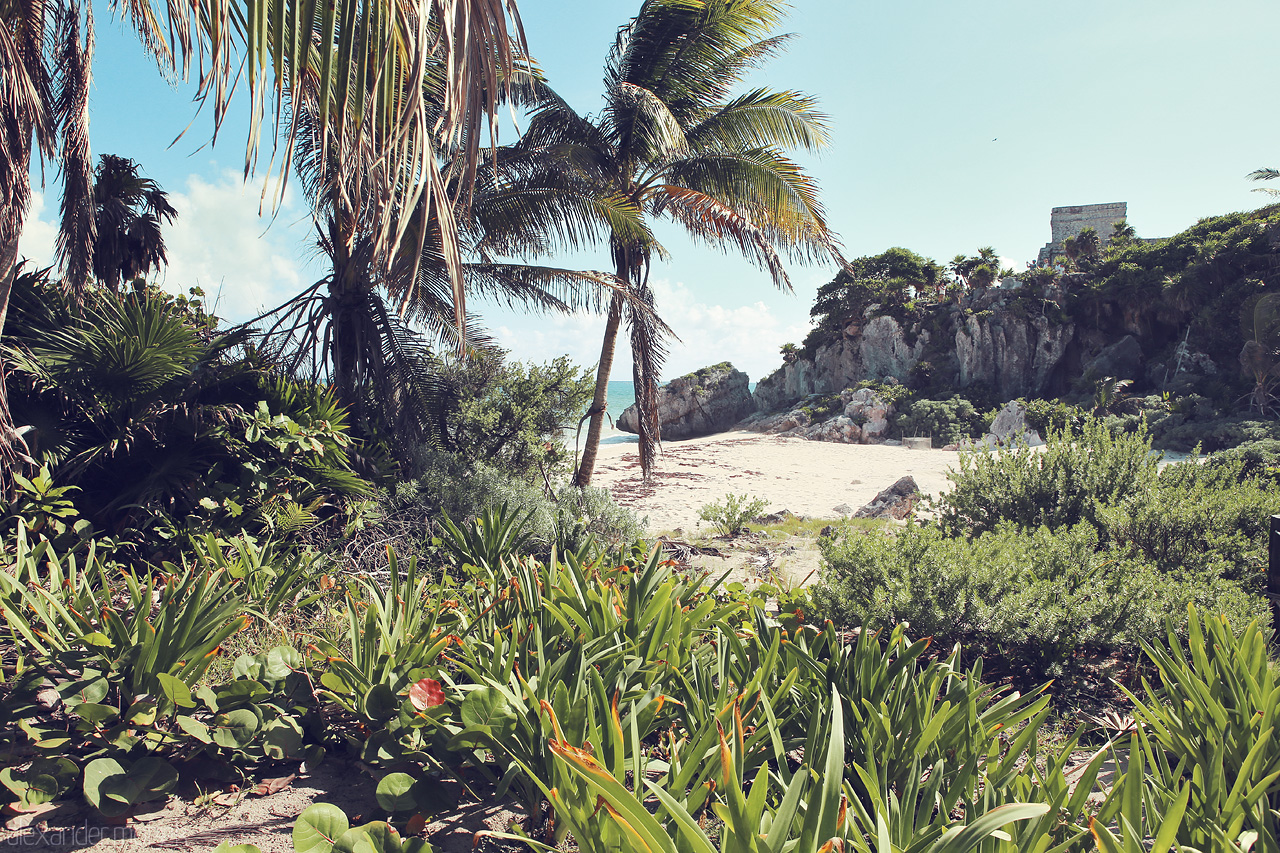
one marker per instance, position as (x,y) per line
(810,478)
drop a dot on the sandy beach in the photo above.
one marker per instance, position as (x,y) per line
(809,478)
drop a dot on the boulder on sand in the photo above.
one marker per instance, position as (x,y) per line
(708,401)
(895,502)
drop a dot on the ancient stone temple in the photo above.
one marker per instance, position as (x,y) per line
(1067,222)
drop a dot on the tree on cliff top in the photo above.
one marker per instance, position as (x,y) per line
(889,279)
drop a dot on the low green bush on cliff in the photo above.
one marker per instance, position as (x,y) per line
(947,421)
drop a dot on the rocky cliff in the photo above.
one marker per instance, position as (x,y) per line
(990,339)
(709,401)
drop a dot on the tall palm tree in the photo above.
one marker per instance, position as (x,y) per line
(128,211)
(46,51)
(372,328)
(674,141)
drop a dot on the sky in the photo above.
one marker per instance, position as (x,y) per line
(954,125)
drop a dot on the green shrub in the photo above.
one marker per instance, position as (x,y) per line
(1199,520)
(947,421)
(447,484)
(1259,458)
(1045,416)
(1035,598)
(1056,486)
(732,514)
(510,414)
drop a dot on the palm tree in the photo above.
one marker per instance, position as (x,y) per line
(280,47)
(674,141)
(372,328)
(128,212)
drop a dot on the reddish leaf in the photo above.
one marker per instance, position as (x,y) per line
(427,693)
(272,786)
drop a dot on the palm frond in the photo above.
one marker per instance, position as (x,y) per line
(648,354)
(763,118)
(77,233)
(767,188)
(708,220)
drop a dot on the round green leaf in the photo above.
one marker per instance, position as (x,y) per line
(175,690)
(248,666)
(281,661)
(335,683)
(373,837)
(380,703)
(194,728)
(235,729)
(394,792)
(92,712)
(154,777)
(318,828)
(489,707)
(282,738)
(103,780)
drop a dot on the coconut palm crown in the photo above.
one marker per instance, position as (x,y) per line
(674,140)
(280,49)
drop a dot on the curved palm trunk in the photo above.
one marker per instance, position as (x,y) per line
(9,443)
(598,403)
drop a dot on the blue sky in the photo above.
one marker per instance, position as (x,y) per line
(955,125)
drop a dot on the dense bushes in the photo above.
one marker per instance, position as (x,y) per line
(947,421)
(1034,598)
(156,425)
(1057,486)
(1082,546)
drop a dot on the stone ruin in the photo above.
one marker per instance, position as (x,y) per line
(1065,222)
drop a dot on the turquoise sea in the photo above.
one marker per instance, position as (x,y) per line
(621,395)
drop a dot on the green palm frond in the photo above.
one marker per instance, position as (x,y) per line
(768,188)
(763,118)
(708,220)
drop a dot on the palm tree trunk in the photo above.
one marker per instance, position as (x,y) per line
(585,468)
(8,436)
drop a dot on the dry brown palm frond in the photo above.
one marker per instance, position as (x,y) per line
(77,234)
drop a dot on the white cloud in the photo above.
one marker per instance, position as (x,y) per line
(750,336)
(243,261)
(39,232)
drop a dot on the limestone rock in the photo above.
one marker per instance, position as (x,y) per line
(1122,360)
(1013,355)
(709,401)
(895,502)
(1184,373)
(864,418)
(1010,426)
(875,350)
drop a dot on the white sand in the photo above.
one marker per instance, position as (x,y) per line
(808,478)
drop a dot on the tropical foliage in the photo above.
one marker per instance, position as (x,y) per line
(1047,557)
(363,76)
(635,707)
(677,140)
(160,423)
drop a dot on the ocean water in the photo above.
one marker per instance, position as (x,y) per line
(621,395)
